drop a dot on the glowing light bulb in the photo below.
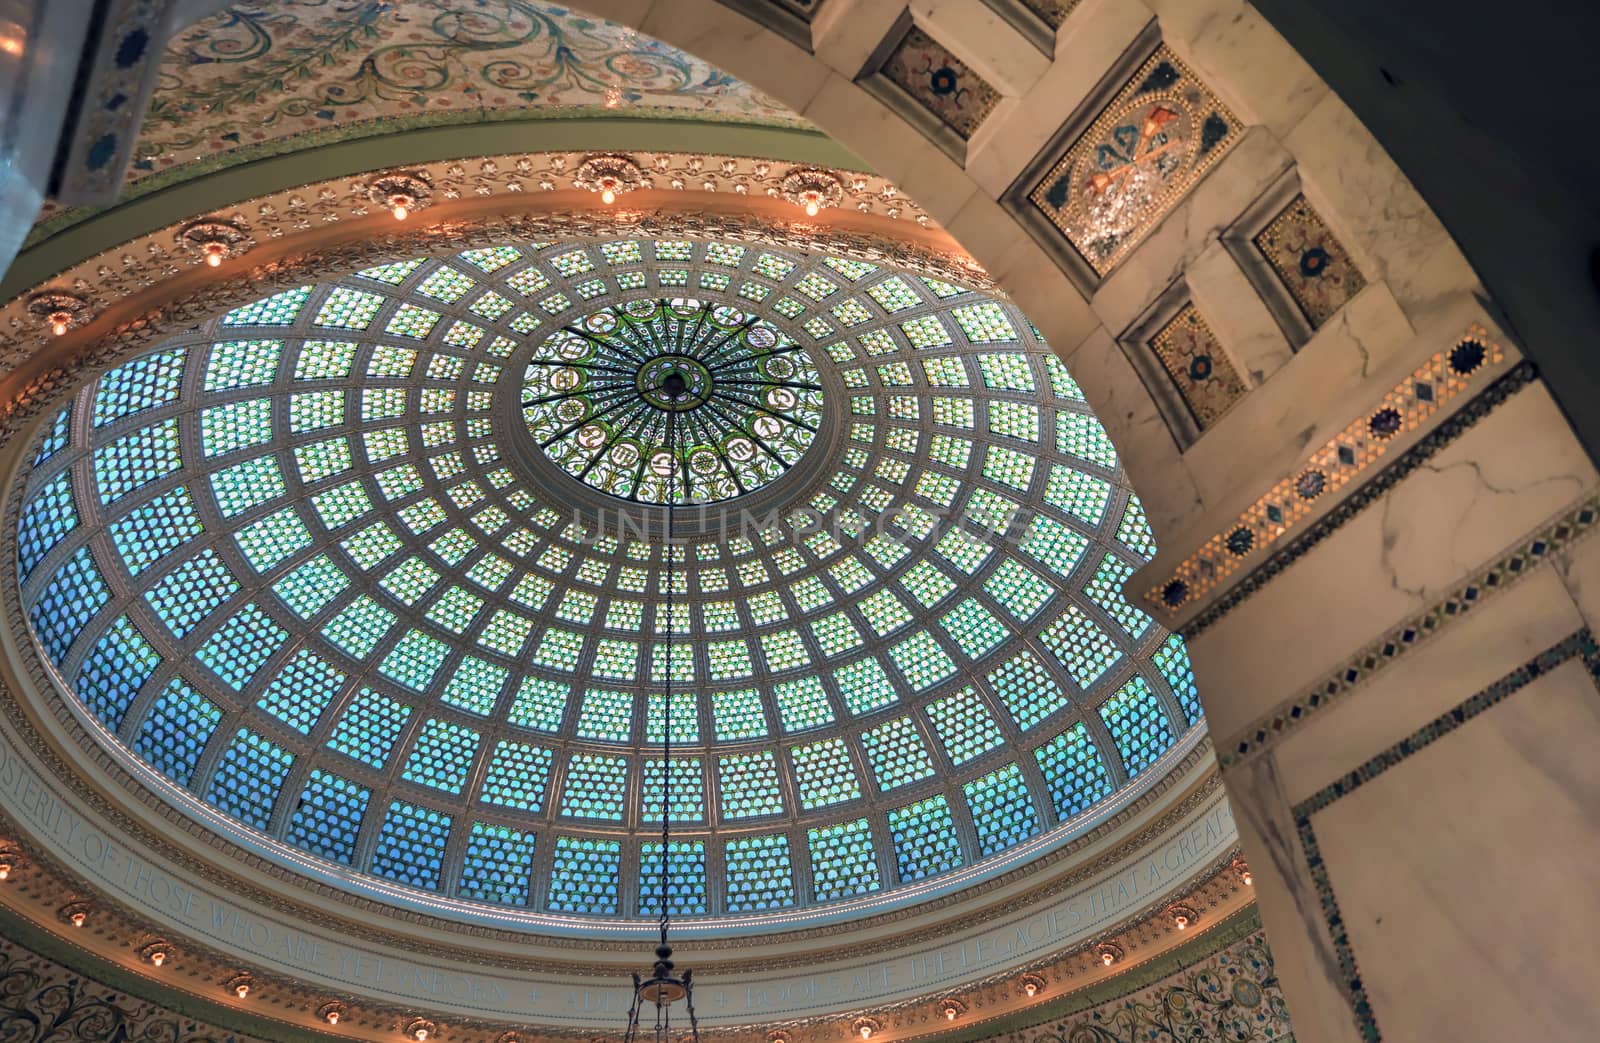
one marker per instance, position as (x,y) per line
(1245,876)
(400,205)
(608,191)
(421,1034)
(214,252)
(243,989)
(59,321)
(158,957)
(812,209)
(1031,989)
(333,1017)
(949,1014)
(79,917)
(5,870)
(866,1031)
(1181,920)
(1107,959)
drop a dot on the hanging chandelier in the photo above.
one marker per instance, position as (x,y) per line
(666,985)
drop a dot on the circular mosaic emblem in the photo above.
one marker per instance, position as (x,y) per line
(1385,423)
(1466,357)
(716,400)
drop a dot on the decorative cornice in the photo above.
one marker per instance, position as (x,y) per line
(1571,525)
(1071,979)
(136,265)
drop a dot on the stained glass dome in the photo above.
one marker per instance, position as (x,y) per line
(328,566)
(750,407)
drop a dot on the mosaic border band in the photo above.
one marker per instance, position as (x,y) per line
(1491,398)
(1580,643)
(1361,444)
(1571,525)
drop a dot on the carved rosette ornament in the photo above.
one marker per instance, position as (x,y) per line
(332,1012)
(214,240)
(421,1030)
(59,308)
(1030,985)
(865,1027)
(951,1008)
(401,191)
(1242,867)
(1182,916)
(610,174)
(1109,953)
(240,985)
(812,189)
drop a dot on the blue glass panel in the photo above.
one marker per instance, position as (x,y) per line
(155,528)
(497,865)
(193,590)
(111,675)
(410,847)
(1172,659)
(759,874)
(301,691)
(596,787)
(46,519)
(241,646)
(1001,809)
(925,840)
(369,727)
(135,386)
(517,775)
(328,816)
(1073,771)
(442,756)
(584,875)
(66,604)
(686,878)
(842,860)
(1138,725)
(136,460)
(175,731)
(248,778)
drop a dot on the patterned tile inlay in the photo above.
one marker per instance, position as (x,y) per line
(1199,368)
(1342,459)
(941,82)
(1313,265)
(1580,643)
(1052,12)
(1265,733)
(1131,167)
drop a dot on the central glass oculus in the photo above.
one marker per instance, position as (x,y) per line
(741,401)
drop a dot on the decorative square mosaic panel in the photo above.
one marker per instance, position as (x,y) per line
(1051,12)
(1313,265)
(1199,369)
(941,82)
(1144,151)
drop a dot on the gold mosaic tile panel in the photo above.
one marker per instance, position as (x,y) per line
(1051,12)
(1340,461)
(1144,151)
(1313,266)
(940,82)
(1199,368)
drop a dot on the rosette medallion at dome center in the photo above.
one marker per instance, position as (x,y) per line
(601,393)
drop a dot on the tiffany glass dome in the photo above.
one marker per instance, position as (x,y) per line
(350,574)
